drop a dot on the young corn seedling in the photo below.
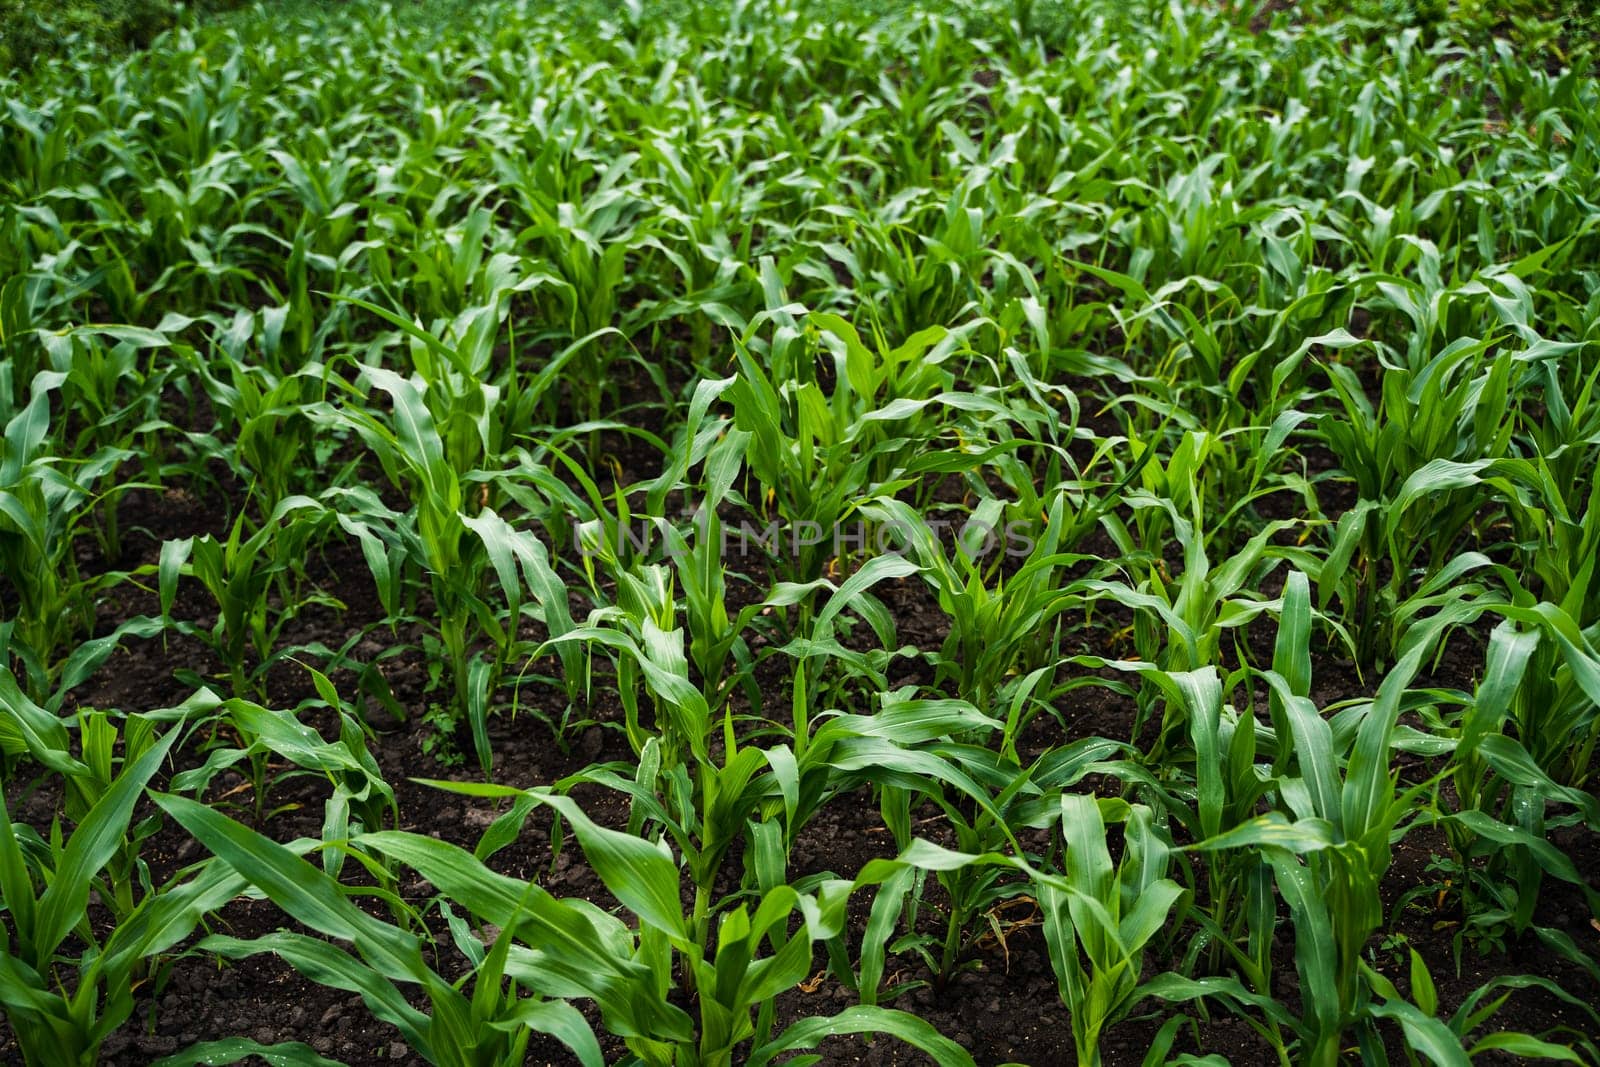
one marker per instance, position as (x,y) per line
(1329,847)
(1449,1041)
(1560,527)
(975,895)
(273,442)
(1001,625)
(735,981)
(1500,832)
(1099,922)
(475,411)
(457,546)
(987,799)
(1212,784)
(701,796)
(111,388)
(548,950)
(816,452)
(360,797)
(1098,917)
(1404,456)
(698,234)
(931,275)
(55,1027)
(1180,621)
(698,552)
(1553,708)
(903,750)
(46,885)
(704,799)
(89,769)
(255,582)
(587,245)
(487,1027)
(44,503)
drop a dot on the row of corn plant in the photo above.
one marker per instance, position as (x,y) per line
(1132,462)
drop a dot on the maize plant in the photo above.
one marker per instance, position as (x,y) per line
(47,882)
(44,504)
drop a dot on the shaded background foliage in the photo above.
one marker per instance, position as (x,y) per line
(31,31)
(1557,27)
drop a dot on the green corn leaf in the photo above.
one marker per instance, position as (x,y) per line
(103,830)
(300,889)
(330,966)
(561,1021)
(1424,1033)
(919,1034)
(1274,830)
(234,1049)
(1524,1047)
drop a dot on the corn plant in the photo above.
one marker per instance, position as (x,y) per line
(112,386)
(814,455)
(1214,783)
(1401,456)
(272,440)
(1098,925)
(244,576)
(999,625)
(89,769)
(701,796)
(1449,1041)
(1097,916)
(587,246)
(360,796)
(696,549)
(44,504)
(458,548)
(905,751)
(1181,620)
(47,884)
(1504,791)
(1328,851)
(492,1025)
